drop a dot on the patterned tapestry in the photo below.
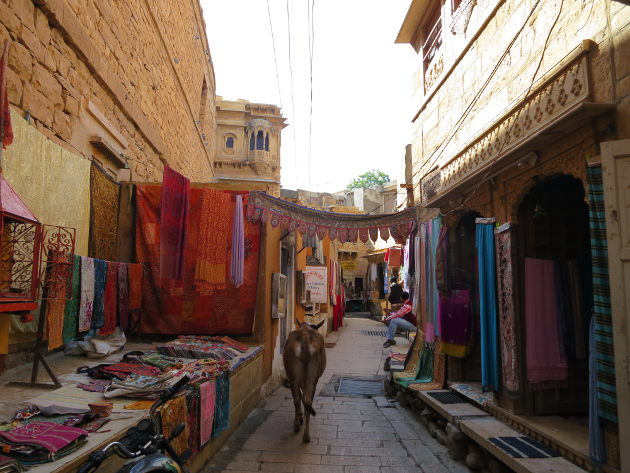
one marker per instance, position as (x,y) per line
(340,226)
(104,203)
(604,350)
(185,307)
(505,295)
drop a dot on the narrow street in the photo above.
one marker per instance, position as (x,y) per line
(348,435)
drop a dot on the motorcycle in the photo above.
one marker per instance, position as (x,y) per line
(152,452)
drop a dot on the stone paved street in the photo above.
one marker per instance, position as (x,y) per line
(348,435)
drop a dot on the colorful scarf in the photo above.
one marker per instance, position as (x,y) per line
(56,304)
(86,308)
(72,305)
(222,407)
(207,394)
(214,238)
(110,299)
(173,224)
(237,262)
(173,413)
(100,277)
(135,273)
(192,403)
(455,323)
(123,296)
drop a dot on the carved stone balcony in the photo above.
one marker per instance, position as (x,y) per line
(558,105)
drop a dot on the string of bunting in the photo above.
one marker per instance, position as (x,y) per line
(338,226)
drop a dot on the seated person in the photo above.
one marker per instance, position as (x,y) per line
(402,319)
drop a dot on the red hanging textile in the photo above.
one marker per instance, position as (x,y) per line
(173,224)
(110,299)
(6,130)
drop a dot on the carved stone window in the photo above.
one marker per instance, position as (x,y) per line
(432,45)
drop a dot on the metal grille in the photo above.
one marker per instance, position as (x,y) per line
(374,333)
(360,387)
(448,397)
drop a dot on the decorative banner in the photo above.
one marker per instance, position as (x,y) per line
(338,226)
(316,282)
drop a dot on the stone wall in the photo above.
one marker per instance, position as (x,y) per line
(440,133)
(130,73)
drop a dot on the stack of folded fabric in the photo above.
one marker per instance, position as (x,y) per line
(9,465)
(41,442)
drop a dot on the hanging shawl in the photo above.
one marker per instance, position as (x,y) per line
(344,227)
(213,241)
(222,406)
(237,262)
(135,279)
(173,223)
(86,309)
(100,277)
(207,396)
(70,320)
(110,299)
(57,284)
(123,296)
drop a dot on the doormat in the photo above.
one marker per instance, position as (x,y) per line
(354,386)
(374,333)
(523,447)
(447,397)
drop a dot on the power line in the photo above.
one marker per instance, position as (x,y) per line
(292,97)
(311,46)
(275,57)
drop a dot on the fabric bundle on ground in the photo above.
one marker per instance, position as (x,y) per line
(546,367)
(123,296)
(110,299)
(173,223)
(86,307)
(100,278)
(185,306)
(455,323)
(237,257)
(487,303)
(70,318)
(439,374)
(214,237)
(604,352)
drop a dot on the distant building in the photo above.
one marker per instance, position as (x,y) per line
(248,145)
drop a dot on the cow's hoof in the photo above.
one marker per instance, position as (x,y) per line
(306,439)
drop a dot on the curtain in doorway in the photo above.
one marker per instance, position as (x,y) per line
(604,353)
(487,304)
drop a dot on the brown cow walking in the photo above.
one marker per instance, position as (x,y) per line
(304,362)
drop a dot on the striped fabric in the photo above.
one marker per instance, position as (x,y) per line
(605,360)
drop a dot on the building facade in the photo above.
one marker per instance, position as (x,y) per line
(521,107)
(248,140)
(102,93)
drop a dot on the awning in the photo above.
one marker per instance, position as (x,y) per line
(11,203)
(338,226)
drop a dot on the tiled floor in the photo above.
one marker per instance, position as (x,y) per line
(348,435)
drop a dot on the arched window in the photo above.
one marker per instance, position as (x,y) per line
(267,142)
(203,103)
(229,142)
(251,141)
(260,140)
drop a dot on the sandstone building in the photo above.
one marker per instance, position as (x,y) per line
(520,106)
(248,137)
(103,93)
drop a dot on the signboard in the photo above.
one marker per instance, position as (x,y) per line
(316,282)
(349,266)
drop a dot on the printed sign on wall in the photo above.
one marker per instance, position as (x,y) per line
(316,281)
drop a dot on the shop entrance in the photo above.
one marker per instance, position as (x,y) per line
(465,277)
(554,240)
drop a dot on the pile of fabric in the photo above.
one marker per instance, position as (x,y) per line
(103,293)
(41,434)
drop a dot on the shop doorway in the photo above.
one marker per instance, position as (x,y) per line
(464,276)
(287,268)
(554,229)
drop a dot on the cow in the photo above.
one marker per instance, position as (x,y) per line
(304,360)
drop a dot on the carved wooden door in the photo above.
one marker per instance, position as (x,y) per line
(616,174)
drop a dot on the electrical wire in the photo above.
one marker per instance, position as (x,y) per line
(295,161)
(311,46)
(275,57)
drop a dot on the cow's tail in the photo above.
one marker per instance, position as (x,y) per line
(309,408)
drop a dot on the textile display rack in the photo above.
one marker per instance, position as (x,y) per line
(57,244)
